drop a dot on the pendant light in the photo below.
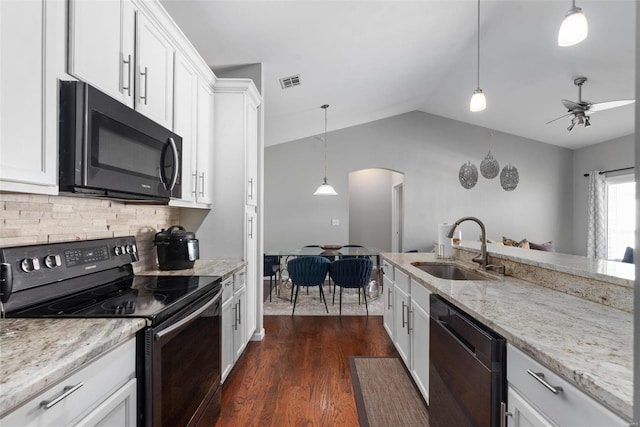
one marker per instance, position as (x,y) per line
(478,101)
(325,189)
(574,27)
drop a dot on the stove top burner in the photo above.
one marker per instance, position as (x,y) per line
(152,297)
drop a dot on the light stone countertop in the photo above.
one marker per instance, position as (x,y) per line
(588,344)
(619,273)
(202,267)
(37,353)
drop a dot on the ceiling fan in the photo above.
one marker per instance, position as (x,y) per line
(581,110)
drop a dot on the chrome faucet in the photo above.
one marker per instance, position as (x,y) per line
(483,257)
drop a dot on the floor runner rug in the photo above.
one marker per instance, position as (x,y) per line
(385,394)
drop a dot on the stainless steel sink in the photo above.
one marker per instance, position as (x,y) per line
(448,271)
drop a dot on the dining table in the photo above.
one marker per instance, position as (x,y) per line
(333,252)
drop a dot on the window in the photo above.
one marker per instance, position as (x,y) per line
(621,215)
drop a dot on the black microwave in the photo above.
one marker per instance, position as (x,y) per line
(109,149)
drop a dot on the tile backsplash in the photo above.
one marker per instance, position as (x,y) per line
(28,218)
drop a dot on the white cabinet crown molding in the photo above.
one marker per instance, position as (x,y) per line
(239,85)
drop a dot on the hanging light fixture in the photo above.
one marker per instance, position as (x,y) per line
(478,101)
(574,27)
(325,189)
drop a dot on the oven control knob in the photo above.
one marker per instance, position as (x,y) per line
(131,249)
(117,251)
(52,261)
(30,264)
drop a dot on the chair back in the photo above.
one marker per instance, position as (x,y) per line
(308,270)
(270,261)
(352,272)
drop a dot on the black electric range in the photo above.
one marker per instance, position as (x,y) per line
(92,278)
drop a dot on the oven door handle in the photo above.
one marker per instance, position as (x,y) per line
(188,319)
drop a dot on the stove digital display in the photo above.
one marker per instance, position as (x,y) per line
(86,256)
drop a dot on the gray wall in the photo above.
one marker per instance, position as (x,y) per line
(614,154)
(429,150)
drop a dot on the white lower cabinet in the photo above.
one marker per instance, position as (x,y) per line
(387,286)
(521,414)
(539,397)
(419,328)
(235,326)
(401,337)
(100,393)
(410,325)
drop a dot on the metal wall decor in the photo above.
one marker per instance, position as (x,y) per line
(468,175)
(489,168)
(509,178)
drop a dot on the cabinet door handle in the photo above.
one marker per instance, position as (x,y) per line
(504,414)
(403,319)
(195,183)
(389,305)
(144,73)
(539,376)
(67,390)
(251,228)
(250,195)
(239,312)
(235,317)
(202,181)
(409,313)
(127,62)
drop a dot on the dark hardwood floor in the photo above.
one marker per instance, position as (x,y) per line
(299,374)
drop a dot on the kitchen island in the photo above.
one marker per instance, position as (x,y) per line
(587,343)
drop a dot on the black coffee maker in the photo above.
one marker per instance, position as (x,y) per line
(177,248)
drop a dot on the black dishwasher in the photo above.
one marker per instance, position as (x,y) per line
(467,369)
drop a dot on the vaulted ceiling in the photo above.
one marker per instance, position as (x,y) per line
(375,59)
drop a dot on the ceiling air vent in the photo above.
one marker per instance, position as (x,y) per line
(291,81)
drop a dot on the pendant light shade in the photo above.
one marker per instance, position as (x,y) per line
(574,27)
(478,101)
(325,189)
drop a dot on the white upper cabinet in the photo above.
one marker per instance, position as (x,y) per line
(185,107)
(29,33)
(154,72)
(204,163)
(115,47)
(102,46)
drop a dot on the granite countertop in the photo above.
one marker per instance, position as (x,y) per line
(202,267)
(37,353)
(616,272)
(589,344)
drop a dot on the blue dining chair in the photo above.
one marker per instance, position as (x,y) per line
(351,273)
(271,268)
(308,271)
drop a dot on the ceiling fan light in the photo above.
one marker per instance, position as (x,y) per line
(478,101)
(574,27)
(587,123)
(325,189)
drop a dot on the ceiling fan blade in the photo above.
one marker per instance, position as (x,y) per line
(571,105)
(600,106)
(558,118)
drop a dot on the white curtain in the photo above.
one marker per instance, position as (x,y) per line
(597,217)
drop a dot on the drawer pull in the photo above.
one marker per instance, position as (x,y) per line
(539,376)
(67,390)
